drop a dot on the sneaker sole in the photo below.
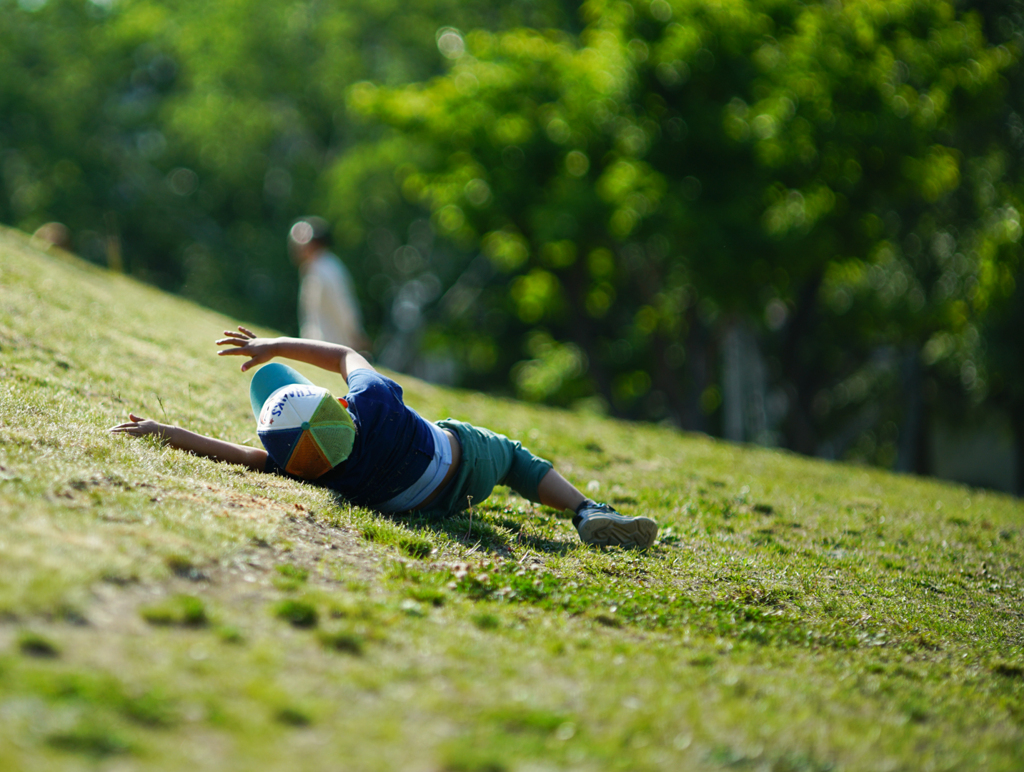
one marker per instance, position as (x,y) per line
(608,530)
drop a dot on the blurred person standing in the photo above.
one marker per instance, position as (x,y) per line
(328,308)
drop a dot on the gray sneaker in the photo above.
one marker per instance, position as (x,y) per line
(602,525)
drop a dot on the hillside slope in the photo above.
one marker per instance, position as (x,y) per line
(159,611)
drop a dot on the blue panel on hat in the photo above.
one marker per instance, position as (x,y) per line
(269,379)
(279,444)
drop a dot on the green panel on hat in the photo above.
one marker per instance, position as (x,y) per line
(335,441)
(328,412)
(333,429)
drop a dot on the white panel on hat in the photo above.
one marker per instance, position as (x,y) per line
(290,406)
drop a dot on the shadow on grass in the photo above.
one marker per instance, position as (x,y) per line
(491,532)
(484,535)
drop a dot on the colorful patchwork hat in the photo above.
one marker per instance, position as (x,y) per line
(304,429)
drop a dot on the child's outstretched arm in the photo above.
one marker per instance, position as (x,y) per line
(200,444)
(328,356)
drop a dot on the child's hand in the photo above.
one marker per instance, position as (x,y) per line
(139,427)
(247,344)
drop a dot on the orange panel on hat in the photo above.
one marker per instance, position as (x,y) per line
(307,460)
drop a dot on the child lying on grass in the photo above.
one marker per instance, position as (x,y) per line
(377,452)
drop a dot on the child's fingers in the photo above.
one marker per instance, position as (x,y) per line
(132,427)
(247,331)
(238,343)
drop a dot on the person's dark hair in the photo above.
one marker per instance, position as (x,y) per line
(310,230)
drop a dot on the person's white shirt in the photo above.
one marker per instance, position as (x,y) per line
(328,308)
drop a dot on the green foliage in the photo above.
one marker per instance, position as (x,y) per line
(293,716)
(384,532)
(299,613)
(180,610)
(291,577)
(35,645)
(90,739)
(574,204)
(179,143)
(344,641)
(833,176)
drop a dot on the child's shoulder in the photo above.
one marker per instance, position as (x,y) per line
(372,384)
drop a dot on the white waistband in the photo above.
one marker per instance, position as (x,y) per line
(432,476)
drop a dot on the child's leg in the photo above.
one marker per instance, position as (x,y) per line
(595,523)
(558,493)
(489,459)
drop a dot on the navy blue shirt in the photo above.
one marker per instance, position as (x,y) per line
(392,448)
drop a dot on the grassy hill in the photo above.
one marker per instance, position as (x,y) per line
(161,611)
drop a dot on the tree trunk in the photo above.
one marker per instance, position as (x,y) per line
(581,329)
(912,455)
(1017,425)
(800,434)
(698,376)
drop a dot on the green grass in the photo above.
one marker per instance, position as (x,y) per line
(161,611)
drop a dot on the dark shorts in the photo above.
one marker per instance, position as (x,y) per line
(488,459)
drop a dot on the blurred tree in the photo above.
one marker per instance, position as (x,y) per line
(187,136)
(824,174)
(994,362)
(60,125)
(614,203)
